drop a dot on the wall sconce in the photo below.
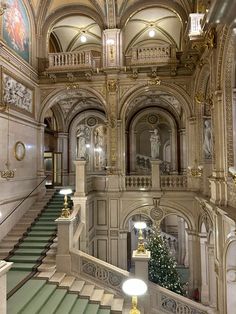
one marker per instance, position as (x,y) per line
(7,173)
(195,171)
(134,287)
(65,211)
(140,225)
(111,45)
(232,171)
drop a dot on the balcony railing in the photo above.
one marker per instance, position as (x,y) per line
(174,182)
(156,54)
(71,60)
(138,182)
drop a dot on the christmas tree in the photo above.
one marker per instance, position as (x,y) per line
(162,265)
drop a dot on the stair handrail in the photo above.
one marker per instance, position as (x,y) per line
(164,300)
(99,271)
(22,201)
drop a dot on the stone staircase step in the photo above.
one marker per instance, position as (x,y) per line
(87,291)
(39,299)
(22,296)
(107,300)
(77,286)
(103,311)
(26,251)
(49,260)
(67,282)
(46,275)
(67,304)
(23,266)
(54,302)
(47,267)
(79,306)
(57,277)
(91,308)
(117,305)
(97,296)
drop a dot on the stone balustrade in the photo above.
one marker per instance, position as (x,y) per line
(70,60)
(166,301)
(138,182)
(153,54)
(173,182)
(98,271)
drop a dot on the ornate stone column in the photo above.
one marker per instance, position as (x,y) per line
(62,146)
(204,270)
(112,48)
(212,276)
(122,258)
(40,148)
(183,150)
(194,263)
(80,178)
(217,181)
(173,146)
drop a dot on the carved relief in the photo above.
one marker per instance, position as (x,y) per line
(17,94)
(112,86)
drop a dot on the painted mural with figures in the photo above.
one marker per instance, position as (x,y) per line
(16,28)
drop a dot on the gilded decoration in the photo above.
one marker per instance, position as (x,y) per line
(16,94)
(112,86)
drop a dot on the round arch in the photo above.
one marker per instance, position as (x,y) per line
(168,209)
(50,100)
(62,12)
(171,89)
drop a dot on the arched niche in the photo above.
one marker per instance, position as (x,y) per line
(170,98)
(96,141)
(138,133)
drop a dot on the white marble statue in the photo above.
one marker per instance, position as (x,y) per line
(81,143)
(207,144)
(155,144)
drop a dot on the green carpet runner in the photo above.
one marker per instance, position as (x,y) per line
(32,247)
(37,296)
(28,295)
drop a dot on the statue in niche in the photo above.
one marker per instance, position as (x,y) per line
(207,144)
(81,142)
(155,141)
(99,148)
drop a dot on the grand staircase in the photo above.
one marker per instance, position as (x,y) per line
(34,286)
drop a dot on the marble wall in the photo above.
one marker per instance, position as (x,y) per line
(12,191)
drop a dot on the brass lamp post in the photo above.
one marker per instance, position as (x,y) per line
(134,287)
(66,210)
(140,225)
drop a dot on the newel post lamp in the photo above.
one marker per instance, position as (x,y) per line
(134,287)
(66,210)
(140,225)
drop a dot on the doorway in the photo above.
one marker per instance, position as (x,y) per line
(53,168)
